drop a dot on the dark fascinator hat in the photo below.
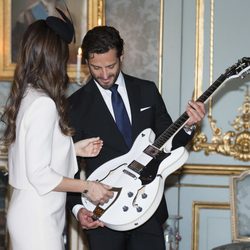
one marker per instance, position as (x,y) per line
(62,27)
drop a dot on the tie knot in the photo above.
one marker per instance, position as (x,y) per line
(113,88)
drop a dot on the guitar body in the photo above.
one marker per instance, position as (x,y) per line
(138,183)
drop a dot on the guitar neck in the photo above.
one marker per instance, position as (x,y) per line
(180,122)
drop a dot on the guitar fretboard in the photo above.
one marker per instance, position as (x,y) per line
(179,123)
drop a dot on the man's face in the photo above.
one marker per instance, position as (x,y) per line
(105,67)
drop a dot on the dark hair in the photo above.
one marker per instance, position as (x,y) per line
(42,63)
(100,40)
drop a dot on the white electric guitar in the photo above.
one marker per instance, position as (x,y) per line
(138,177)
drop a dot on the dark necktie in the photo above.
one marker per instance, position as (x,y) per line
(121,115)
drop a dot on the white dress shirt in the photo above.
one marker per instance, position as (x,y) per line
(106,94)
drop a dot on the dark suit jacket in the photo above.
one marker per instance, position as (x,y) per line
(90,117)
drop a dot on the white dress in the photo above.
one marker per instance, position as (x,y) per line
(38,159)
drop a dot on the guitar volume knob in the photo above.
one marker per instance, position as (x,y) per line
(130,194)
(139,209)
(125,208)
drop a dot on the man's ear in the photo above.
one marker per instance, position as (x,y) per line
(121,57)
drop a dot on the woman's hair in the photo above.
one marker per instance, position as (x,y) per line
(41,63)
(100,40)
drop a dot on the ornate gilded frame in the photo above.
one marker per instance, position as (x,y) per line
(95,16)
(239,200)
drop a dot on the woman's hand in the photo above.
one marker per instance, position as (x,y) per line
(89,147)
(97,192)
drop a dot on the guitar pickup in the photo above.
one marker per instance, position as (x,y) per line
(152,151)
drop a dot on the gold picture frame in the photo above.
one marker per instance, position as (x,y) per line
(197,206)
(95,15)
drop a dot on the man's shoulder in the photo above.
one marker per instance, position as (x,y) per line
(131,78)
(80,93)
(144,85)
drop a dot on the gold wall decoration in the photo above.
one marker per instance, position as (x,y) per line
(206,169)
(96,13)
(234,143)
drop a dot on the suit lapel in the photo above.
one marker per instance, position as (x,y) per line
(133,91)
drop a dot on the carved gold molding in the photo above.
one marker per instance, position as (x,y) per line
(234,143)
(96,13)
(199,48)
(196,207)
(213,169)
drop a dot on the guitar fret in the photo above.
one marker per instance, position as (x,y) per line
(211,89)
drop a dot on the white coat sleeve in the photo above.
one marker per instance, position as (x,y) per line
(40,122)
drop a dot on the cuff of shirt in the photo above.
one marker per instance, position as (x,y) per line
(76,209)
(189,129)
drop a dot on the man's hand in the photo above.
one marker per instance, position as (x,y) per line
(196,112)
(85,218)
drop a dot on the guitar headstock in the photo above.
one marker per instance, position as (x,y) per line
(239,69)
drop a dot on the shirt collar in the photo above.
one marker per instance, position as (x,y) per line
(119,81)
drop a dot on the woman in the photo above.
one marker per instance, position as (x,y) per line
(42,156)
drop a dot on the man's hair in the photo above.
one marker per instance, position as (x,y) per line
(100,40)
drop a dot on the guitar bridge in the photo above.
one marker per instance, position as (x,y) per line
(130,174)
(97,213)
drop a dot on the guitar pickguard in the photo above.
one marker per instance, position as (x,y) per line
(149,171)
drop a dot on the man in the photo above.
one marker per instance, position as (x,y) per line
(92,114)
